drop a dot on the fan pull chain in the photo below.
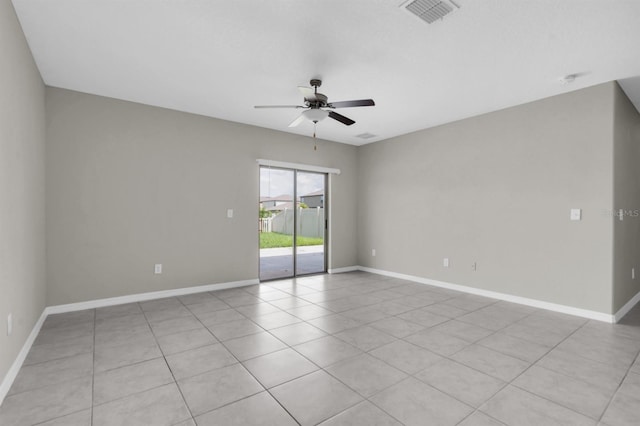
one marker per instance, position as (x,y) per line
(315,123)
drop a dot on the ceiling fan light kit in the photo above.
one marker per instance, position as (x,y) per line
(315,115)
(317,106)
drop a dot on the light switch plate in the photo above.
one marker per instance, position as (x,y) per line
(576,214)
(157,269)
(445,262)
(229,213)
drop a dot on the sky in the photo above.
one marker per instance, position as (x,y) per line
(278,181)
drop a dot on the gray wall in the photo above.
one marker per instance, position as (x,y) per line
(626,254)
(22,248)
(130,185)
(497,190)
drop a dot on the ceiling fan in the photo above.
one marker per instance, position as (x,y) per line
(317,106)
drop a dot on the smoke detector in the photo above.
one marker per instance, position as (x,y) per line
(430,11)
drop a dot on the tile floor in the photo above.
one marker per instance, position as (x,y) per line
(347,349)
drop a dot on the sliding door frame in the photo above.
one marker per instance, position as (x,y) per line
(325,207)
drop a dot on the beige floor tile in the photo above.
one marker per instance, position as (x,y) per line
(365,338)
(81,418)
(413,402)
(315,397)
(46,403)
(327,350)
(406,356)
(364,413)
(513,406)
(623,409)
(365,374)
(440,343)
(461,382)
(52,372)
(462,330)
(480,419)
(256,410)
(185,340)
(493,363)
(334,323)
(606,376)
(200,360)
(515,347)
(125,381)
(275,320)
(132,352)
(295,334)
(397,327)
(253,345)
(161,406)
(278,367)
(211,390)
(577,395)
(233,329)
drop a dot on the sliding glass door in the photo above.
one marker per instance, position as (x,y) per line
(310,223)
(292,223)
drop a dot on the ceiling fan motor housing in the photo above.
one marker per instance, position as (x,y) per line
(319,101)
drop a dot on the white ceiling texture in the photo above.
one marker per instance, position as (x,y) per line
(219,58)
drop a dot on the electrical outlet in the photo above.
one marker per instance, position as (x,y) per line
(633,273)
(445,262)
(157,269)
(373,252)
(9,324)
(474,267)
(230,213)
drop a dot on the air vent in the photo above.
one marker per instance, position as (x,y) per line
(430,10)
(365,136)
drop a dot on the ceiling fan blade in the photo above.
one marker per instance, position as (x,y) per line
(278,106)
(297,121)
(308,92)
(341,118)
(349,104)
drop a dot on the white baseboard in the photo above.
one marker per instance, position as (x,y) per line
(22,355)
(99,303)
(141,297)
(345,269)
(627,307)
(570,310)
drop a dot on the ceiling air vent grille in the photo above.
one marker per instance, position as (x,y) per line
(430,10)
(366,135)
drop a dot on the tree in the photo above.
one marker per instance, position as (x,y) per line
(264,213)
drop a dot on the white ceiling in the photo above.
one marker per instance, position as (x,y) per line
(220,57)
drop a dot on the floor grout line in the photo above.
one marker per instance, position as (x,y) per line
(175,382)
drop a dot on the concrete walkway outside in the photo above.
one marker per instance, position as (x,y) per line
(278,262)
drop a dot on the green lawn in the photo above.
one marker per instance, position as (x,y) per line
(273,239)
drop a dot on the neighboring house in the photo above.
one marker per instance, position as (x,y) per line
(269,202)
(314,199)
(280,207)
